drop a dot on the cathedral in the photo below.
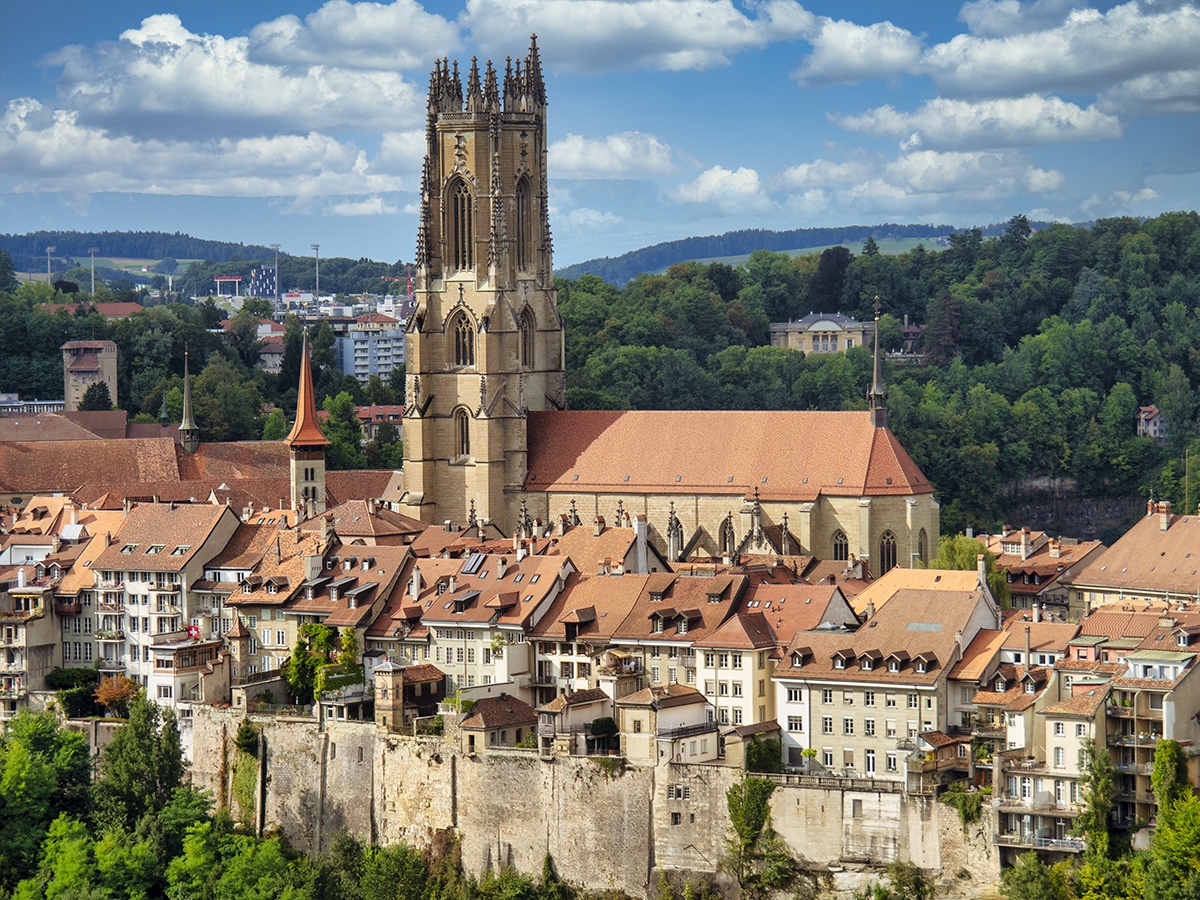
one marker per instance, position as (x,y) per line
(488,438)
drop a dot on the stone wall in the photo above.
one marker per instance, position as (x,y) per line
(604,824)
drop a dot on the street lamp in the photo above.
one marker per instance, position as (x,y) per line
(93,251)
(49,250)
(275,247)
(317,256)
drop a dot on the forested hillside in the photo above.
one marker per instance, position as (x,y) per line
(1039,348)
(619,270)
(27,249)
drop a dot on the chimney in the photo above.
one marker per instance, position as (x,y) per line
(452,584)
(981,569)
(562,524)
(643,555)
(521,552)
(501,566)
(1037,611)
(1164,515)
(326,526)
(1025,542)
(282,504)
(618,568)
(21,577)
(516,539)
(1055,549)
(126,506)
(598,526)
(602,567)
(72,514)
(275,550)
(414,585)
(970,531)
(870,609)
(1149,508)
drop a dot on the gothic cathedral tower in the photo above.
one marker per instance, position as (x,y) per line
(485,344)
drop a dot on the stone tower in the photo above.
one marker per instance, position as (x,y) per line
(485,342)
(306,446)
(389,696)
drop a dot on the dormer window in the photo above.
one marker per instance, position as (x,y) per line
(1182,639)
(656,596)
(681,626)
(1030,687)
(181,550)
(839,663)
(920,667)
(866,664)
(129,548)
(656,625)
(247,587)
(1001,687)
(893,665)
(154,549)
(272,588)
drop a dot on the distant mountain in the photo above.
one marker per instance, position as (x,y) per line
(25,249)
(620,269)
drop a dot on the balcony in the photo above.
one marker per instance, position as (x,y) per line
(1025,765)
(1136,796)
(1130,740)
(12,693)
(685,731)
(20,615)
(1063,845)
(1045,808)
(165,609)
(108,637)
(170,637)
(1136,768)
(67,607)
(111,608)
(110,665)
(16,666)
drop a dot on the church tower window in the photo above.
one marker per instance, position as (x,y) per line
(462,432)
(527,344)
(887,552)
(524,226)
(841,545)
(923,546)
(464,340)
(461,237)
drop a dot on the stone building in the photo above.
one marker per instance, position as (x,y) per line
(85,363)
(485,426)
(820,333)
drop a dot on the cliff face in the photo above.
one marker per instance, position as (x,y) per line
(605,825)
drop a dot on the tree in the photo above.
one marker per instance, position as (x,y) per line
(8,275)
(275,426)
(1032,879)
(961,553)
(96,397)
(140,768)
(1170,776)
(313,648)
(1099,789)
(243,337)
(167,266)
(754,855)
(344,432)
(115,692)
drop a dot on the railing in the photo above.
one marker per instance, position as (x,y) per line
(631,667)
(1025,765)
(165,609)
(1136,768)
(1136,796)
(21,614)
(1051,807)
(906,744)
(267,675)
(110,665)
(110,636)
(1066,845)
(110,608)
(12,693)
(12,666)
(278,709)
(836,782)
(684,731)
(1129,740)
(67,607)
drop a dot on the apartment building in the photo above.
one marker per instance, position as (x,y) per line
(145,578)
(1037,567)
(861,700)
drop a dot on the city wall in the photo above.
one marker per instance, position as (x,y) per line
(605,825)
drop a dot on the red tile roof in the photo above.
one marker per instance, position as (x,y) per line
(840,454)
(306,432)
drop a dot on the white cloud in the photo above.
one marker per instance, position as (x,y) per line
(977,175)
(963,125)
(606,35)
(592,219)
(732,192)
(1088,51)
(51,150)
(1116,202)
(371,206)
(630,154)
(401,153)
(162,80)
(999,18)
(821,173)
(847,53)
(1159,94)
(397,35)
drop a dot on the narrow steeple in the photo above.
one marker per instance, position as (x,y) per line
(877,396)
(307,431)
(474,90)
(189,434)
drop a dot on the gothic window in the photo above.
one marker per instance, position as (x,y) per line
(464,340)
(527,332)
(524,225)
(460,242)
(462,432)
(841,545)
(923,546)
(887,552)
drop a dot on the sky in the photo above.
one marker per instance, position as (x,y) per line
(302,122)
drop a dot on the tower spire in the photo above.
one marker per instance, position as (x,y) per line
(189,434)
(877,396)
(307,431)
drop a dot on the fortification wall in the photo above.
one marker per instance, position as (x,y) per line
(604,825)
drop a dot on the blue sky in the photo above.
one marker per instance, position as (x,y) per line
(301,122)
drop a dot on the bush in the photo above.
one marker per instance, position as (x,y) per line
(247,738)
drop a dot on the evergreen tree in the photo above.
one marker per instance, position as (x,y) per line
(96,397)
(140,768)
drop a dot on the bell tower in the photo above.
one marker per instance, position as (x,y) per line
(485,343)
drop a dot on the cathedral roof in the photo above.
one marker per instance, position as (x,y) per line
(306,432)
(796,456)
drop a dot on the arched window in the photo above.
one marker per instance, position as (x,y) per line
(528,328)
(841,546)
(887,552)
(524,225)
(462,432)
(460,237)
(464,340)
(923,546)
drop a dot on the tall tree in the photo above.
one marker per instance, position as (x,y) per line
(140,768)
(96,397)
